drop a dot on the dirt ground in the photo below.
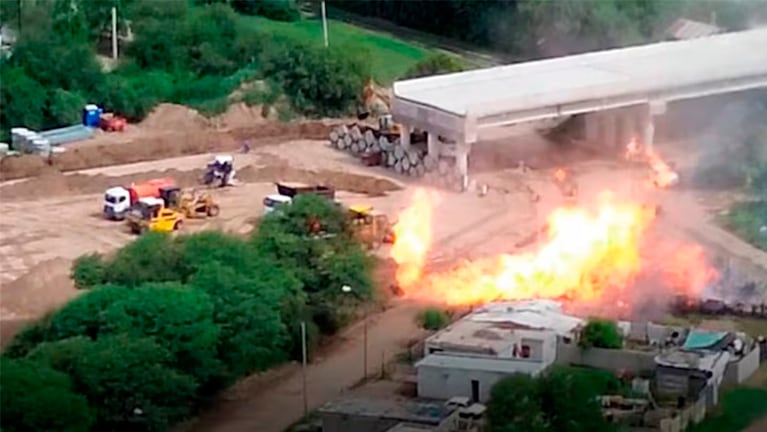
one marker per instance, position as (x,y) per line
(52,218)
(169,131)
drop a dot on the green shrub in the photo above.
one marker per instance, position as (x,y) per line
(436,64)
(37,398)
(747,219)
(318,81)
(433,318)
(130,384)
(601,334)
(88,271)
(278,10)
(64,107)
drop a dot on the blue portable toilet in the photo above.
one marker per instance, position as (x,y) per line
(91,114)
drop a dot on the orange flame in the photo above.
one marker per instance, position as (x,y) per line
(585,256)
(663,175)
(686,270)
(413,234)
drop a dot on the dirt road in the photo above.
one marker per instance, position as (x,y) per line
(276,408)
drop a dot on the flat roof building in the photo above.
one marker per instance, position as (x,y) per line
(469,356)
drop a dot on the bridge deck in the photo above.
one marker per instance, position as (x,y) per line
(642,70)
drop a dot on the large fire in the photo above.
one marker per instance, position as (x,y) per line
(585,256)
(663,175)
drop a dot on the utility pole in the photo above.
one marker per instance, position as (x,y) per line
(324,24)
(365,344)
(303,366)
(114,33)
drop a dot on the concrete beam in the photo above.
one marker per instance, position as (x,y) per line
(453,125)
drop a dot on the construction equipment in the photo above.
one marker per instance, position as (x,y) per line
(119,200)
(370,227)
(191,203)
(109,122)
(376,101)
(287,191)
(220,170)
(150,214)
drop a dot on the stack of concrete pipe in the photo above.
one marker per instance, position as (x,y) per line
(413,161)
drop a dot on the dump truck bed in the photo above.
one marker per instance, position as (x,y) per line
(293,189)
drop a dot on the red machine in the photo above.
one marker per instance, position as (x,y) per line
(110,122)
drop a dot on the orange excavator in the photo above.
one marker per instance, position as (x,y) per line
(377,101)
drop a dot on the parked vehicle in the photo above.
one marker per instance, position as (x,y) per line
(150,214)
(119,200)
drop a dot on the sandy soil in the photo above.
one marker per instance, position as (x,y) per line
(53,218)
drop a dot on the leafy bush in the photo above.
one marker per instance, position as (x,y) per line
(747,219)
(131,385)
(433,318)
(601,334)
(565,399)
(515,404)
(278,10)
(436,64)
(88,271)
(37,398)
(318,81)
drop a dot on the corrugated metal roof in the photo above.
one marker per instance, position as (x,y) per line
(684,28)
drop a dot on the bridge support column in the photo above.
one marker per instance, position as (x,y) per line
(607,133)
(591,127)
(462,158)
(404,136)
(433,144)
(625,130)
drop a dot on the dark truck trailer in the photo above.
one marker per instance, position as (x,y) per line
(293,189)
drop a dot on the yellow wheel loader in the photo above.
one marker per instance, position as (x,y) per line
(150,214)
(370,227)
(191,203)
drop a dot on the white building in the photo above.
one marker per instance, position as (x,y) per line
(470,356)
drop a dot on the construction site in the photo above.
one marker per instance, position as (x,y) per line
(534,212)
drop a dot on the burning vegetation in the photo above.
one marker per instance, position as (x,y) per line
(600,257)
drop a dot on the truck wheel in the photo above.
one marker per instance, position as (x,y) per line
(213,211)
(177,226)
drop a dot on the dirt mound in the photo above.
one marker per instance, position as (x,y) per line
(239,115)
(170,116)
(54,183)
(159,145)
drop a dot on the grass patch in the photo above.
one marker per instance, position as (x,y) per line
(745,220)
(737,409)
(391,58)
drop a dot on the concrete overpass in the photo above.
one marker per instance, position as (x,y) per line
(624,88)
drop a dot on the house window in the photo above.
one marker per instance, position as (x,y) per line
(525,351)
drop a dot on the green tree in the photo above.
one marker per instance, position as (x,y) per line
(153,257)
(131,384)
(178,318)
(247,310)
(64,107)
(88,271)
(311,239)
(516,405)
(435,64)
(601,334)
(23,102)
(37,398)
(570,402)
(319,81)
(433,318)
